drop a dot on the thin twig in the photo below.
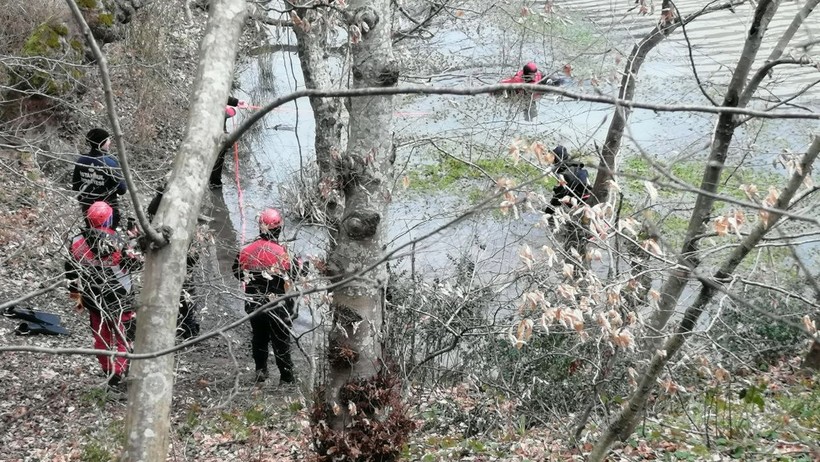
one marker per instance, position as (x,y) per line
(154,236)
(499,88)
(31,295)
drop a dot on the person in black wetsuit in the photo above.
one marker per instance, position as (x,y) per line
(575,181)
(266,268)
(215,180)
(97,175)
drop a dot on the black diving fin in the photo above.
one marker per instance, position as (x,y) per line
(33,328)
(35,322)
(26,314)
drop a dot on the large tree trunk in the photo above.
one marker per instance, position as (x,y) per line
(623,426)
(366,170)
(724,132)
(151,380)
(312,33)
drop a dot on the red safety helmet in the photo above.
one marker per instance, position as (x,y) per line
(530,68)
(269,219)
(99,215)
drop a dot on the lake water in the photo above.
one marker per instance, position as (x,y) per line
(478,53)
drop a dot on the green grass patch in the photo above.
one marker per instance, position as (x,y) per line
(804,408)
(691,173)
(94,451)
(96,396)
(240,423)
(742,422)
(674,228)
(475,195)
(103,443)
(449,174)
(192,420)
(450,447)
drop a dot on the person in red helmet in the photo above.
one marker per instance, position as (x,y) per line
(98,271)
(528,74)
(266,268)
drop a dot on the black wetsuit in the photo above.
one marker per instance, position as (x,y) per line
(98,177)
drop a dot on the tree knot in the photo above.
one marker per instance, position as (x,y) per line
(361,225)
(365,18)
(146,243)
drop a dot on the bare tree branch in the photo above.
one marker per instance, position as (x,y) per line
(31,295)
(689,48)
(273,21)
(473,91)
(627,418)
(155,237)
(764,70)
(398,36)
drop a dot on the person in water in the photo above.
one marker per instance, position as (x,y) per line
(215,181)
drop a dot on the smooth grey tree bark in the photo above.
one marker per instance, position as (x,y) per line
(312,34)
(722,139)
(151,380)
(366,170)
(626,421)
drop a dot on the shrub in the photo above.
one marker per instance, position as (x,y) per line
(377,430)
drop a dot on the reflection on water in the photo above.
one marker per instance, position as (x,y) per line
(224,233)
(283,143)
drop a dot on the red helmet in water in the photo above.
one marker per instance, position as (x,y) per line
(99,215)
(270,219)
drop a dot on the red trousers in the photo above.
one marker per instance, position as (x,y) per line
(110,332)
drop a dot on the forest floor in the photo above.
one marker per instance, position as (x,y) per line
(57,407)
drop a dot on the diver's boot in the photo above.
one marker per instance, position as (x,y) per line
(286,378)
(261,375)
(117,388)
(34,328)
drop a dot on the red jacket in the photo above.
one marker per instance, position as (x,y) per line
(98,270)
(265,267)
(519,77)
